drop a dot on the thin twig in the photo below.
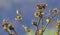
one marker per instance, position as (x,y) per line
(15,32)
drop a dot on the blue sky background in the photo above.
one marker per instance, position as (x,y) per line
(8,10)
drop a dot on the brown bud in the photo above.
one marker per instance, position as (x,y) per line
(26,29)
(41,6)
(5,28)
(18,12)
(10,26)
(48,20)
(55,11)
(4,22)
(34,23)
(18,18)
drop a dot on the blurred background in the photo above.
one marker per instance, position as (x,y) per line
(27,7)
